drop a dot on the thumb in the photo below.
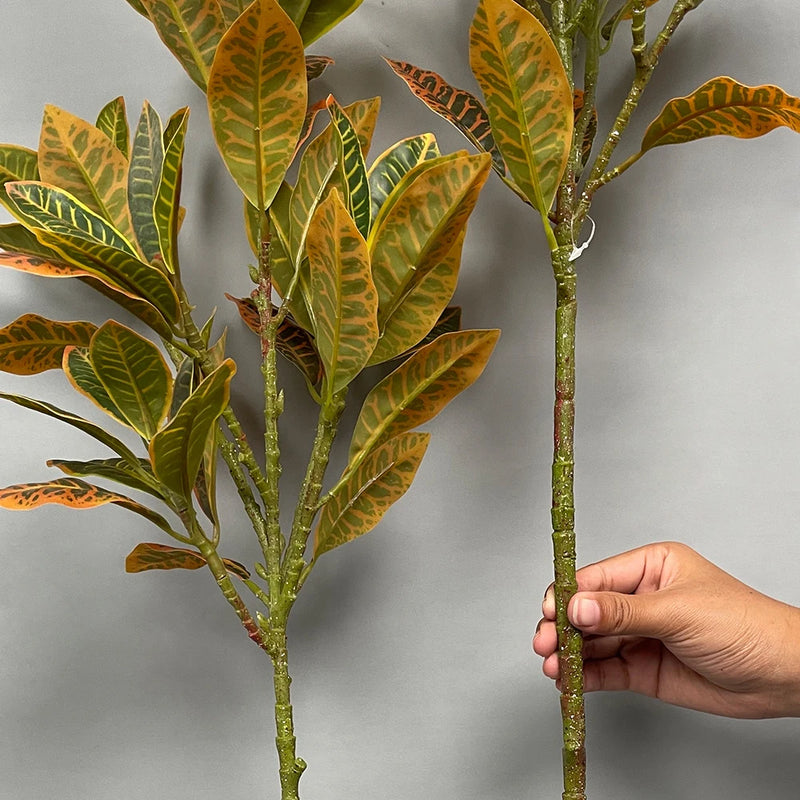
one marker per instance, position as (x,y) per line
(623,614)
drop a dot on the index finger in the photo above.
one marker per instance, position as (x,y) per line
(632,572)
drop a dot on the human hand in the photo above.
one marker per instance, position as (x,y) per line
(663,621)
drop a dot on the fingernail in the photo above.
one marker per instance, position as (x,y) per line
(586,612)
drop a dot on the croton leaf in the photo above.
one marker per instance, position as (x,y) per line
(420,388)
(316,65)
(308,124)
(114,469)
(460,108)
(81,374)
(113,122)
(32,344)
(316,17)
(448,322)
(723,107)
(77,158)
(357,505)
(138,5)
(231,9)
(135,375)
(17,164)
(257,95)
(528,96)
(149,555)
(176,451)
(344,299)
(191,29)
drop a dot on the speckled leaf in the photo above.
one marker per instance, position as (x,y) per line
(356,506)
(417,229)
(114,469)
(528,96)
(113,122)
(81,374)
(344,299)
(135,375)
(458,107)
(33,344)
(448,322)
(420,388)
(77,158)
(391,166)
(723,107)
(191,29)
(95,431)
(149,555)
(427,294)
(231,9)
(176,451)
(257,95)
(144,175)
(316,65)
(354,170)
(167,202)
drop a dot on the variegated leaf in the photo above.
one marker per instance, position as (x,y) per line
(723,107)
(426,296)
(17,164)
(184,384)
(176,451)
(167,201)
(113,469)
(448,322)
(138,5)
(528,96)
(344,299)
(356,506)
(308,124)
(391,166)
(33,344)
(354,170)
(81,374)
(257,95)
(420,388)
(77,158)
(144,175)
(191,29)
(231,9)
(113,122)
(316,65)
(149,555)
(135,375)
(460,108)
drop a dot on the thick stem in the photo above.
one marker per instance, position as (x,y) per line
(570,642)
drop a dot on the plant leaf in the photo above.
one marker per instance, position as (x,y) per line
(32,344)
(420,388)
(81,374)
(135,375)
(257,94)
(113,122)
(316,65)
(460,108)
(448,322)
(528,96)
(149,555)
(723,107)
(77,158)
(166,205)
(113,469)
(191,29)
(231,9)
(344,299)
(354,170)
(391,166)
(356,506)
(323,15)
(144,175)
(176,451)
(17,164)
(137,5)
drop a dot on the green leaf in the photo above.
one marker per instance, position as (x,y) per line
(460,108)
(137,5)
(420,388)
(77,158)
(33,344)
(166,205)
(391,166)
(113,469)
(723,107)
(344,299)
(17,164)
(113,122)
(191,29)
(176,451)
(144,175)
(528,96)
(231,9)
(323,15)
(135,375)
(149,555)
(357,505)
(354,170)
(183,386)
(426,297)
(257,94)
(448,322)
(95,431)
(81,374)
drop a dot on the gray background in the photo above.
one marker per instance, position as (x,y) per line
(411,648)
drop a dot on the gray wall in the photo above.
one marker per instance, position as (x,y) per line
(411,647)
